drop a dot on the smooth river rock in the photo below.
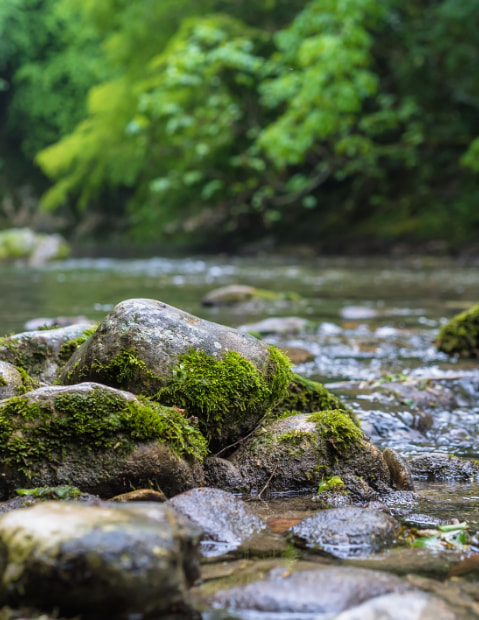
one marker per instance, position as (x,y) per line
(101,562)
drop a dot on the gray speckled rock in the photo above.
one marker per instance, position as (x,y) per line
(86,435)
(292,454)
(347,531)
(436,466)
(227,522)
(10,380)
(323,591)
(40,352)
(138,347)
(405,606)
(102,561)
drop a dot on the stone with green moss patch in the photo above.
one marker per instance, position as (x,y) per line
(228,380)
(240,294)
(461,335)
(59,435)
(297,451)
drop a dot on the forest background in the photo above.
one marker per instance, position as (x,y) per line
(213,123)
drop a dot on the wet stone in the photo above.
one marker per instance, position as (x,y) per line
(436,466)
(102,562)
(401,476)
(404,606)
(347,531)
(306,593)
(226,521)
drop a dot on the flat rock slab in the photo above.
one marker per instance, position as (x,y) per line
(348,531)
(323,591)
(405,606)
(227,522)
(108,562)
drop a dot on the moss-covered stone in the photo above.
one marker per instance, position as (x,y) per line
(461,335)
(35,432)
(69,347)
(226,394)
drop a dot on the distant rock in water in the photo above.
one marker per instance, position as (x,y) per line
(240,294)
(461,335)
(34,248)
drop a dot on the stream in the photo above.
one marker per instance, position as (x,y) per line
(371,329)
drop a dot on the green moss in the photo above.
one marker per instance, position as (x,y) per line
(306,396)
(48,493)
(28,383)
(3,381)
(336,427)
(461,335)
(294,437)
(69,347)
(210,388)
(17,352)
(31,433)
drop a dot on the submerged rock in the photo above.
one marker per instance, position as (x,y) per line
(102,440)
(461,335)
(345,532)
(226,379)
(324,591)
(404,606)
(240,293)
(41,353)
(437,466)
(277,325)
(102,562)
(226,521)
(299,451)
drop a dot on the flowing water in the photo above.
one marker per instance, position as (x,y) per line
(371,331)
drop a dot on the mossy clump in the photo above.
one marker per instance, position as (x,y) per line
(45,493)
(306,396)
(461,335)
(338,429)
(20,353)
(214,389)
(32,433)
(69,347)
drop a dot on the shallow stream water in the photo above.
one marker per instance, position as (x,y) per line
(372,325)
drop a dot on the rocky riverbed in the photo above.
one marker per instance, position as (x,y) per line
(295,514)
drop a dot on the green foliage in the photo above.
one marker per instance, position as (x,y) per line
(64,492)
(330,483)
(33,433)
(461,335)
(348,118)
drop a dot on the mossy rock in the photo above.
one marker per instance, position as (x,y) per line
(11,381)
(99,439)
(226,379)
(461,335)
(297,451)
(41,353)
(35,248)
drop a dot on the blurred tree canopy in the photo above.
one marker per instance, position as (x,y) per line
(313,120)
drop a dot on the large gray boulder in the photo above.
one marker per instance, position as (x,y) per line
(97,561)
(99,439)
(228,380)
